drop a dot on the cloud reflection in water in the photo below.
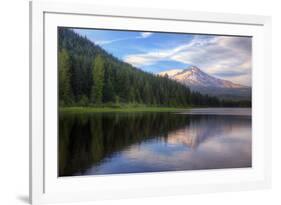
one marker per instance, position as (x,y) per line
(207,142)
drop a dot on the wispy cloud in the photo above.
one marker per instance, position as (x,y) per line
(142,35)
(177,53)
(215,55)
(104,42)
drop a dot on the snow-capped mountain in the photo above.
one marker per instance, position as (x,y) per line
(197,80)
(194,77)
(170,73)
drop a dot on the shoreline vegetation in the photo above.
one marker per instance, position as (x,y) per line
(108,109)
(124,108)
(120,108)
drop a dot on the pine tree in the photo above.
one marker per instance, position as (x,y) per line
(108,90)
(98,80)
(64,78)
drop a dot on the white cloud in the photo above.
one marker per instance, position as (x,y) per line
(218,56)
(146,34)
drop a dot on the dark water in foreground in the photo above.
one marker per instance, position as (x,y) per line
(111,143)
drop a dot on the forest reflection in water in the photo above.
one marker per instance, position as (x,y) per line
(111,143)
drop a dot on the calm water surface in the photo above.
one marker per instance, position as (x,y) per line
(112,143)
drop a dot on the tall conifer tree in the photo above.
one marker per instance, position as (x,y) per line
(64,78)
(98,80)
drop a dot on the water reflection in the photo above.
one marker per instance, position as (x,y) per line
(104,143)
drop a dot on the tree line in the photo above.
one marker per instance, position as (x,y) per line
(90,76)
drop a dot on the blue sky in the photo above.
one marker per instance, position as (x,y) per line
(221,56)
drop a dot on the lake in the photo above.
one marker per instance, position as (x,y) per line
(136,142)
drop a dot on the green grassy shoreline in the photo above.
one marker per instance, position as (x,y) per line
(119,109)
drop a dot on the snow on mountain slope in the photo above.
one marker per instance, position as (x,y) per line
(194,77)
(170,72)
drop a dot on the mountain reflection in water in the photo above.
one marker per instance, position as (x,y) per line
(111,143)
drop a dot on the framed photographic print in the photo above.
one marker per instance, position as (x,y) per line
(128,102)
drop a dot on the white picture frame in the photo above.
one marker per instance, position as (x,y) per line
(46,187)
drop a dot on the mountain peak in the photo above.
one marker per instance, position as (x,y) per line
(174,72)
(192,76)
(193,68)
